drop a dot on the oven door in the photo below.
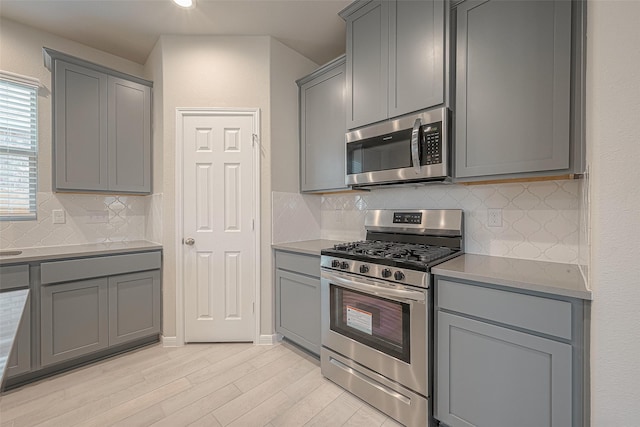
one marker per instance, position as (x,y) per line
(377,324)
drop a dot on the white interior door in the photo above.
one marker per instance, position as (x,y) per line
(219,236)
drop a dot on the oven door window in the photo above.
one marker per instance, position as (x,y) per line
(376,322)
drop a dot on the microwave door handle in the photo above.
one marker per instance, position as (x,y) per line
(415,145)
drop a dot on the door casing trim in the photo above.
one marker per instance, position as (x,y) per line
(181,113)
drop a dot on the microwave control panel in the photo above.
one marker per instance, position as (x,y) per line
(431,144)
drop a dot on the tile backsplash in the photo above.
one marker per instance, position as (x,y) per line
(294,217)
(540,220)
(89,219)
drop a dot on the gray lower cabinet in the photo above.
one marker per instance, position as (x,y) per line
(20,357)
(102,127)
(74,320)
(513,88)
(395,58)
(505,358)
(322,128)
(297,279)
(91,304)
(134,306)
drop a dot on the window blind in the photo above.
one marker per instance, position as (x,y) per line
(18,148)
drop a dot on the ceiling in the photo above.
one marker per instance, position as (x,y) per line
(130,28)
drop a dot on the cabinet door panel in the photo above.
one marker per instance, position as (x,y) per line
(512,87)
(298,309)
(80,128)
(367,64)
(416,50)
(73,320)
(134,306)
(129,136)
(322,123)
(493,376)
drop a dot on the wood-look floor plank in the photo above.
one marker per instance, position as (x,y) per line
(235,384)
(200,408)
(308,406)
(263,412)
(119,412)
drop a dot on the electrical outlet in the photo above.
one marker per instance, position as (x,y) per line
(494,217)
(58,216)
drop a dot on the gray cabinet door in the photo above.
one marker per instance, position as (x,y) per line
(298,309)
(512,87)
(367,64)
(134,306)
(80,128)
(492,376)
(416,55)
(322,130)
(20,357)
(73,320)
(129,142)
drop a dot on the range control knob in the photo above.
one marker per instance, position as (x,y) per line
(364,269)
(344,265)
(386,273)
(335,263)
(398,275)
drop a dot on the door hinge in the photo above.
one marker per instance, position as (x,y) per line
(253,224)
(253,307)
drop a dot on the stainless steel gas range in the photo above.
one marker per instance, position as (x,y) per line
(377,309)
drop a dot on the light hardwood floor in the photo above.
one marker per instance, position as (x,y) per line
(195,385)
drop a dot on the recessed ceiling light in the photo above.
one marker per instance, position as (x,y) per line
(185,3)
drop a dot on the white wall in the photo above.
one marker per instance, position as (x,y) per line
(21,53)
(217,71)
(613,142)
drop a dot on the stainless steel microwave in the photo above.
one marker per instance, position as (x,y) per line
(412,148)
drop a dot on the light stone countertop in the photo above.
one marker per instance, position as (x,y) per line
(309,247)
(12,307)
(549,277)
(70,251)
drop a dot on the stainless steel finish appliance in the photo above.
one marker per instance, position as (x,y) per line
(376,306)
(413,148)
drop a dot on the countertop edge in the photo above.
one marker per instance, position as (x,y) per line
(509,283)
(50,253)
(308,247)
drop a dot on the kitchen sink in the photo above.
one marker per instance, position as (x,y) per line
(10,253)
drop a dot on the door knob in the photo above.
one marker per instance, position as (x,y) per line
(190,241)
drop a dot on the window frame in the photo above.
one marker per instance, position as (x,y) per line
(31,155)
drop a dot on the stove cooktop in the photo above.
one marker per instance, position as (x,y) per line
(396,254)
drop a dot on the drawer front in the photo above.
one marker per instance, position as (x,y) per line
(75,269)
(14,276)
(305,264)
(543,315)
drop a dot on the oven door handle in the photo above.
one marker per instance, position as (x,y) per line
(401,295)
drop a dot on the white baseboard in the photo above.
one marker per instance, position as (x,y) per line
(269,339)
(169,341)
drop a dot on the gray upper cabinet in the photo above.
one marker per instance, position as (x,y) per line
(102,127)
(129,136)
(322,128)
(513,87)
(395,58)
